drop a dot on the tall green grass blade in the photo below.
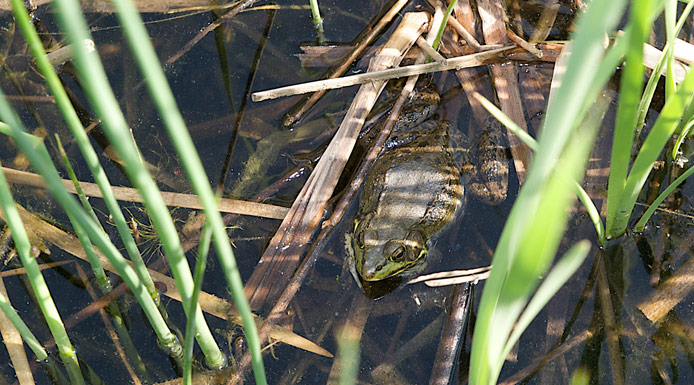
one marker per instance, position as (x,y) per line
(630,94)
(494,324)
(348,354)
(40,160)
(97,88)
(27,336)
(82,141)
(166,104)
(73,177)
(33,273)
(557,277)
(200,266)
(657,138)
(439,34)
(687,123)
(541,240)
(670,15)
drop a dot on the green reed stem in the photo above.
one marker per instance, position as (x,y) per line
(671,35)
(73,177)
(348,354)
(317,20)
(82,141)
(625,125)
(35,150)
(622,193)
(104,102)
(200,266)
(98,270)
(657,138)
(33,272)
(439,34)
(166,104)
(21,327)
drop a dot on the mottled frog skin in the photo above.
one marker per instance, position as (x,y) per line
(416,188)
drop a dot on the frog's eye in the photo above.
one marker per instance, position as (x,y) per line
(395,251)
(398,255)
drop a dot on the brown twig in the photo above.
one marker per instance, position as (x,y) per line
(14,345)
(611,325)
(467,36)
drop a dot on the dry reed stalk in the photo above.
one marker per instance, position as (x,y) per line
(15,346)
(143,6)
(463,32)
(129,194)
(466,61)
(42,266)
(302,272)
(467,77)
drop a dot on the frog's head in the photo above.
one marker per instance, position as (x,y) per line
(384,250)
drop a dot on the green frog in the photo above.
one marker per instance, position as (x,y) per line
(416,188)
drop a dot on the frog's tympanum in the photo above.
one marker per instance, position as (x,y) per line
(415,188)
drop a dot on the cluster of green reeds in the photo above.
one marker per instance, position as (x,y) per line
(531,236)
(87,227)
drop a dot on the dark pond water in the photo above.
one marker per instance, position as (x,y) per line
(257,50)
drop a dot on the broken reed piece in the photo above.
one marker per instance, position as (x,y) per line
(456,63)
(524,44)
(453,277)
(469,39)
(505,79)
